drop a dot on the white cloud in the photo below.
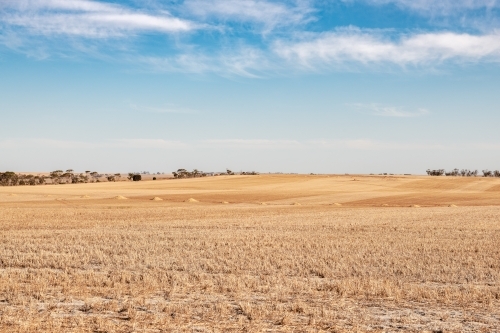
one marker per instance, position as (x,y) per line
(40,144)
(388,111)
(148,143)
(267,13)
(87,18)
(243,61)
(252,143)
(347,46)
(43,143)
(437,6)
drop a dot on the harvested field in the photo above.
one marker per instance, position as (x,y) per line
(324,253)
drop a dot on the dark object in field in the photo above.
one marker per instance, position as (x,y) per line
(154,178)
(136,178)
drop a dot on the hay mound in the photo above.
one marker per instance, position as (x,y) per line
(119,197)
(157,199)
(224,202)
(452,205)
(191,200)
(84,197)
(415,206)
(296,204)
(263,204)
(337,204)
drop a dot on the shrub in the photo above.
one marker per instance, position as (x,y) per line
(487,173)
(438,172)
(183,173)
(456,173)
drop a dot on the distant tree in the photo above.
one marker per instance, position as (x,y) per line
(9,178)
(487,173)
(95,175)
(438,172)
(40,180)
(55,176)
(248,173)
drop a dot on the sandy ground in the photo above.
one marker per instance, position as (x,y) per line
(275,253)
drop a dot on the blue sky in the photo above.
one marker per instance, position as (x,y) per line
(339,86)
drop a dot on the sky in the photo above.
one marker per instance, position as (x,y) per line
(302,86)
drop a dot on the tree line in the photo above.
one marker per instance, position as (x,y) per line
(463,173)
(57,177)
(183,173)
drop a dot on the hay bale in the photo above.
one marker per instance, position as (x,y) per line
(452,205)
(296,204)
(191,200)
(157,199)
(224,202)
(415,206)
(337,204)
(84,197)
(263,204)
(120,197)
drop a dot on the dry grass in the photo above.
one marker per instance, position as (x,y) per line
(137,265)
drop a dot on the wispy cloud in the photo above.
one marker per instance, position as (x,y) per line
(437,6)
(368,144)
(240,144)
(106,30)
(246,61)
(253,143)
(87,18)
(148,143)
(356,46)
(388,111)
(267,13)
(42,143)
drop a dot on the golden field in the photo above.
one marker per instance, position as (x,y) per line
(268,253)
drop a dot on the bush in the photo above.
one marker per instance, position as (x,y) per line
(456,173)
(183,173)
(438,172)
